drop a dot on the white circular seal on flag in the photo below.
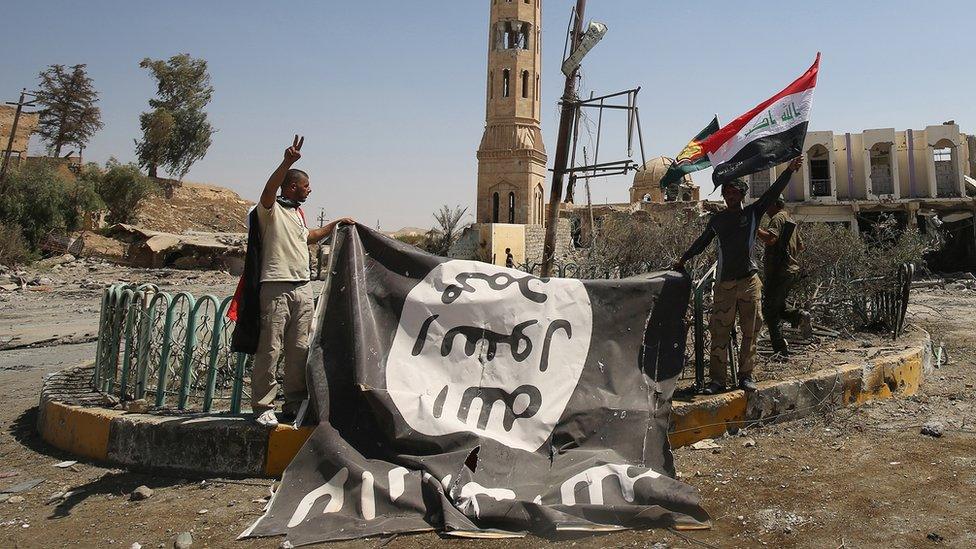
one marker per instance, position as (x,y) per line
(489,350)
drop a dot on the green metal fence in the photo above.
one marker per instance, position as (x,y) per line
(170,349)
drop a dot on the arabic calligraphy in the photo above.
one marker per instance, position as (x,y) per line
(489,396)
(474,334)
(790,112)
(498,281)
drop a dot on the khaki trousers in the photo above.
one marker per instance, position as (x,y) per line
(733,297)
(286,316)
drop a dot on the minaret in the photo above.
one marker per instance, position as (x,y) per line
(512,156)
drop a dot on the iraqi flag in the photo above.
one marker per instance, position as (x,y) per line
(770,134)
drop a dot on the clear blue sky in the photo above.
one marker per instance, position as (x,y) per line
(390,94)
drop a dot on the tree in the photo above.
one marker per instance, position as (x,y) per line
(122,187)
(176,132)
(68,114)
(441,238)
(157,129)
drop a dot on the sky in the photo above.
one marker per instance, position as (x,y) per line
(390,93)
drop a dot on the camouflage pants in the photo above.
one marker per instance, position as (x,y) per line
(741,296)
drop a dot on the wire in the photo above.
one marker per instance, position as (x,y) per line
(690,539)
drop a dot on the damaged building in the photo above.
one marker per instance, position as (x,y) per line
(924,178)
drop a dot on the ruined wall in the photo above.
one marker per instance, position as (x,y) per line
(25,127)
(971,152)
(535,238)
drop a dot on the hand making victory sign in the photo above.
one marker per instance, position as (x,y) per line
(292,155)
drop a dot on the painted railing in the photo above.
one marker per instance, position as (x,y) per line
(170,349)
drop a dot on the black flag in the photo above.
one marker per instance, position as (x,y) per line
(479,400)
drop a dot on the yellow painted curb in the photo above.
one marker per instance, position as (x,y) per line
(80,431)
(283,444)
(897,375)
(710,420)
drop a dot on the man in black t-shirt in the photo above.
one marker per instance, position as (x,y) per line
(737,289)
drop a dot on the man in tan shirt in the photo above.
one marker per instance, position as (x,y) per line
(286,293)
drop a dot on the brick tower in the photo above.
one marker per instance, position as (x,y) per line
(512,156)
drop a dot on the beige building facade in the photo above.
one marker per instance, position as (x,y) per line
(512,156)
(878,165)
(850,177)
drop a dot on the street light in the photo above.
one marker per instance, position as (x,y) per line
(594,33)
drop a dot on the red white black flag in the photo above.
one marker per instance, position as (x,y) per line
(770,134)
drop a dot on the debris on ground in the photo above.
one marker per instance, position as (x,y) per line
(705,444)
(22,487)
(933,429)
(183,541)
(141,493)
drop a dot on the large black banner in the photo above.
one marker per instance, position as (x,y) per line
(478,400)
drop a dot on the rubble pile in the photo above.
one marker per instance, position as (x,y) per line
(66,273)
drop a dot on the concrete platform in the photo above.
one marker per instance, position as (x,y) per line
(79,420)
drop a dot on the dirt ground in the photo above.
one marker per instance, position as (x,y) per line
(862,477)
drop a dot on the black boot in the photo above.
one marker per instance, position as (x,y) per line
(781,348)
(713,388)
(747,384)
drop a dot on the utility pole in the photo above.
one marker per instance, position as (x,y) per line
(13,130)
(566,120)
(319,248)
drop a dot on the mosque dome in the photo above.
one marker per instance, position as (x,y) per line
(647,180)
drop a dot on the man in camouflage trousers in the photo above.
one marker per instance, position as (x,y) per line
(738,290)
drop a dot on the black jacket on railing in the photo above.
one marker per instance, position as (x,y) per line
(246,304)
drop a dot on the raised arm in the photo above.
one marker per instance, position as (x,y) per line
(292,154)
(779,186)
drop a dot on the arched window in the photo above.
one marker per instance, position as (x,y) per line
(491,85)
(946,180)
(511,207)
(758,183)
(506,77)
(537,87)
(818,159)
(881,178)
(540,207)
(494,208)
(525,84)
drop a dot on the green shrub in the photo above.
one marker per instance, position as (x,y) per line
(122,187)
(13,247)
(36,199)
